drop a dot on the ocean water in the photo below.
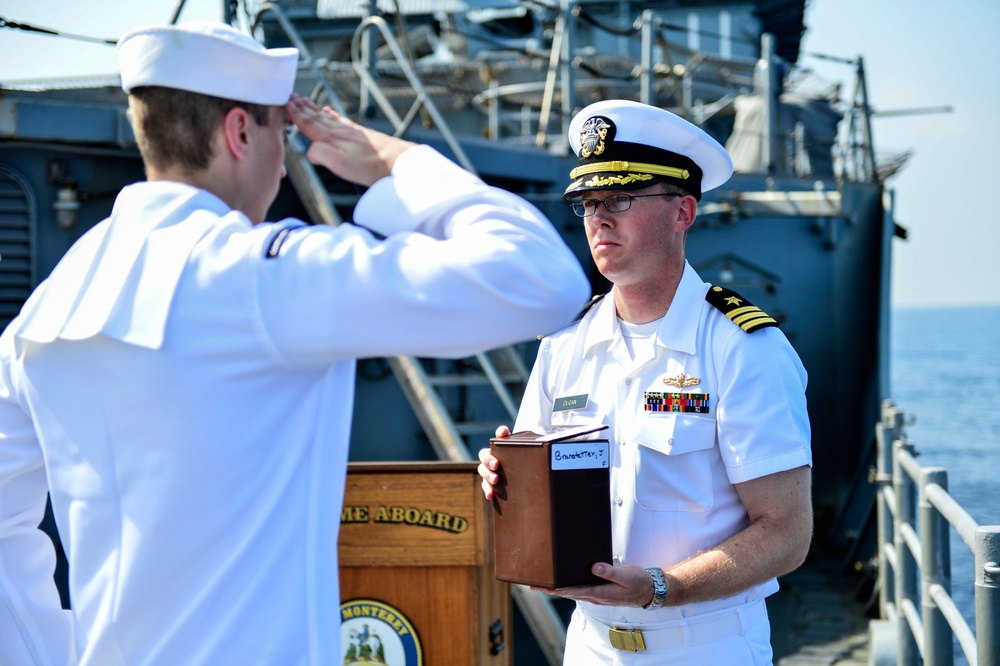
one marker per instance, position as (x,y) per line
(945,376)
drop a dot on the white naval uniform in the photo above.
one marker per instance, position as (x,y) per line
(672,474)
(183,384)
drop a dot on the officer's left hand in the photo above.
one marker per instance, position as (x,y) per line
(627,585)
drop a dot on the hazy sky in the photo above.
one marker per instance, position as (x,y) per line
(917,54)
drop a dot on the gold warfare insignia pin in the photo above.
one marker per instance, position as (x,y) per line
(594,134)
(681,381)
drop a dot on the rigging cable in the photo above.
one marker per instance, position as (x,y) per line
(630,31)
(4,23)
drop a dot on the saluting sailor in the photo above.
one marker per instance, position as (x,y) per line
(705,402)
(182,384)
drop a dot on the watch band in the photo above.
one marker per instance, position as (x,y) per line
(659,588)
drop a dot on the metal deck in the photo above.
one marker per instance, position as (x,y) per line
(817,618)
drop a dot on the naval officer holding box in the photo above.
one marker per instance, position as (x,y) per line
(704,399)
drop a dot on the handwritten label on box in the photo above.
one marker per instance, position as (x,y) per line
(579,455)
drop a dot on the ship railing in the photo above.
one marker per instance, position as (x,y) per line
(694,84)
(306,58)
(857,148)
(920,621)
(563,82)
(362,60)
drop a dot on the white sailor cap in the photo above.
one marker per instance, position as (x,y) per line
(625,145)
(210,58)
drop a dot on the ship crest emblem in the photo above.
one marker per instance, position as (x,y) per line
(373,633)
(595,134)
(681,381)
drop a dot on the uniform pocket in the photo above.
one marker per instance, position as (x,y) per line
(673,464)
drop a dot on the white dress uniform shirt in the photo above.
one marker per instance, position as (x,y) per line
(183,385)
(672,473)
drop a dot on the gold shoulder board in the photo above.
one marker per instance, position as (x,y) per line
(740,311)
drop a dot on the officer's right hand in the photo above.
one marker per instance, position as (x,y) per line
(488,465)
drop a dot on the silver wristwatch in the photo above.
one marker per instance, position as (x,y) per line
(659,588)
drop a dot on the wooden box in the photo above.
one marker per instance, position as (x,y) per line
(552,507)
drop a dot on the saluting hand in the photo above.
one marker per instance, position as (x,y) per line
(353,152)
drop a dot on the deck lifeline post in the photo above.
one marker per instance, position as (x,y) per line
(987,594)
(935,568)
(886,432)
(906,564)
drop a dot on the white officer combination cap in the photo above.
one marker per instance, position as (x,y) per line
(211,58)
(625,145)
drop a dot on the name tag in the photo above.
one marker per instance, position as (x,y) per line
(580,455)
(570,402)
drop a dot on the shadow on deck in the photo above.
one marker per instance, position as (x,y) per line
(818,618)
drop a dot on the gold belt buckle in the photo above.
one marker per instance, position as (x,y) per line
(629,640)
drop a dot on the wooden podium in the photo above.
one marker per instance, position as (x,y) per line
(416,554)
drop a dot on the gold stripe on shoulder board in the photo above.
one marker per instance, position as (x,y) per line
(740,311)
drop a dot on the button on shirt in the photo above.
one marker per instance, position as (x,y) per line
(672,472)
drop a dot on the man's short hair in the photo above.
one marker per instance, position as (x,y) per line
(176,128)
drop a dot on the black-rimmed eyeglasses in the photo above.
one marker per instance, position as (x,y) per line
(616,203)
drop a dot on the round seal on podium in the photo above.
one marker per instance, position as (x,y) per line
(373,633)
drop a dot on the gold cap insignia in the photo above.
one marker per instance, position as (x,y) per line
(592,136)
(681,381)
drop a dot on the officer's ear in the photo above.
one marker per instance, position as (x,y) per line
(687,209)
